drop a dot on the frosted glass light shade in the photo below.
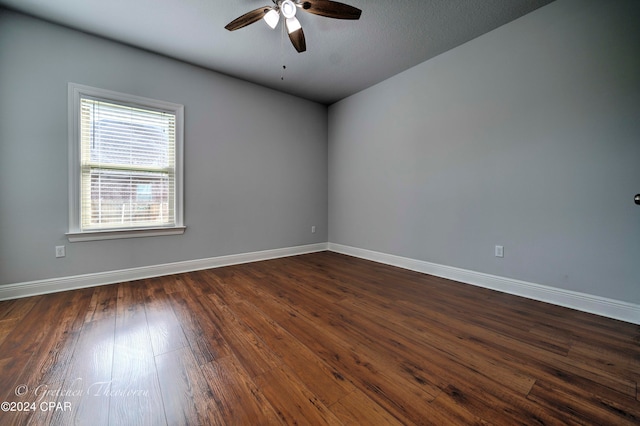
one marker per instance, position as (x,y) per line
(293,24)
(271,18)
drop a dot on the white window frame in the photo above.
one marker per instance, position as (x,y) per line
(75,234)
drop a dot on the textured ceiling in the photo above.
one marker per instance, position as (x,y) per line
(342,57)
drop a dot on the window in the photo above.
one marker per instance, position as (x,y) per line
(126,165)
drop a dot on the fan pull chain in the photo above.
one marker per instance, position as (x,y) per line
(284,67)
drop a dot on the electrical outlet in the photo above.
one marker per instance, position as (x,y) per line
(499,251)
(60,252)
(313,229)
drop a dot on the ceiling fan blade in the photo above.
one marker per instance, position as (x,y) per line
(248,18)
(298,41)
(331,9)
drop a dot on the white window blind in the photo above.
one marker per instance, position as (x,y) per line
(128,166)
(125,165)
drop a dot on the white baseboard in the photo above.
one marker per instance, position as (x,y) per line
(602,306)
(33,288)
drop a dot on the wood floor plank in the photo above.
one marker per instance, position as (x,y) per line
(238,399)
(580,406)
(185,393)
(164,328)
(327,383)
(443,348)
(42,344)
(89,375)
(103,303)
(256,294)
(358,409)
(622,362)
(514,351)
(6,325)
(134,389)
(17,308)
(361,361)
(254,354)
(174,283)
(450,411)
(56,349)
(47,368)
(411,371)
(492,405)
(561,338)
(293,402)
(376,376)
(15,343)
(6,306)
(379,330)
(203,336)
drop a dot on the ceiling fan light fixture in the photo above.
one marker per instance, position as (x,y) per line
(288,9)
(271,18)
(293,25)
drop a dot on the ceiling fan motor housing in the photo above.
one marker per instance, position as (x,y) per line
(288,9)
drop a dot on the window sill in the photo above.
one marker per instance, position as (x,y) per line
(112,234)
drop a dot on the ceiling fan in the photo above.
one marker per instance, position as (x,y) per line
(288,8)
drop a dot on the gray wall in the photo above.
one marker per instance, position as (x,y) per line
(527,137)
(250,184)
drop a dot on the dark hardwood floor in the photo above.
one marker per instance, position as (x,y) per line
(313,339)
